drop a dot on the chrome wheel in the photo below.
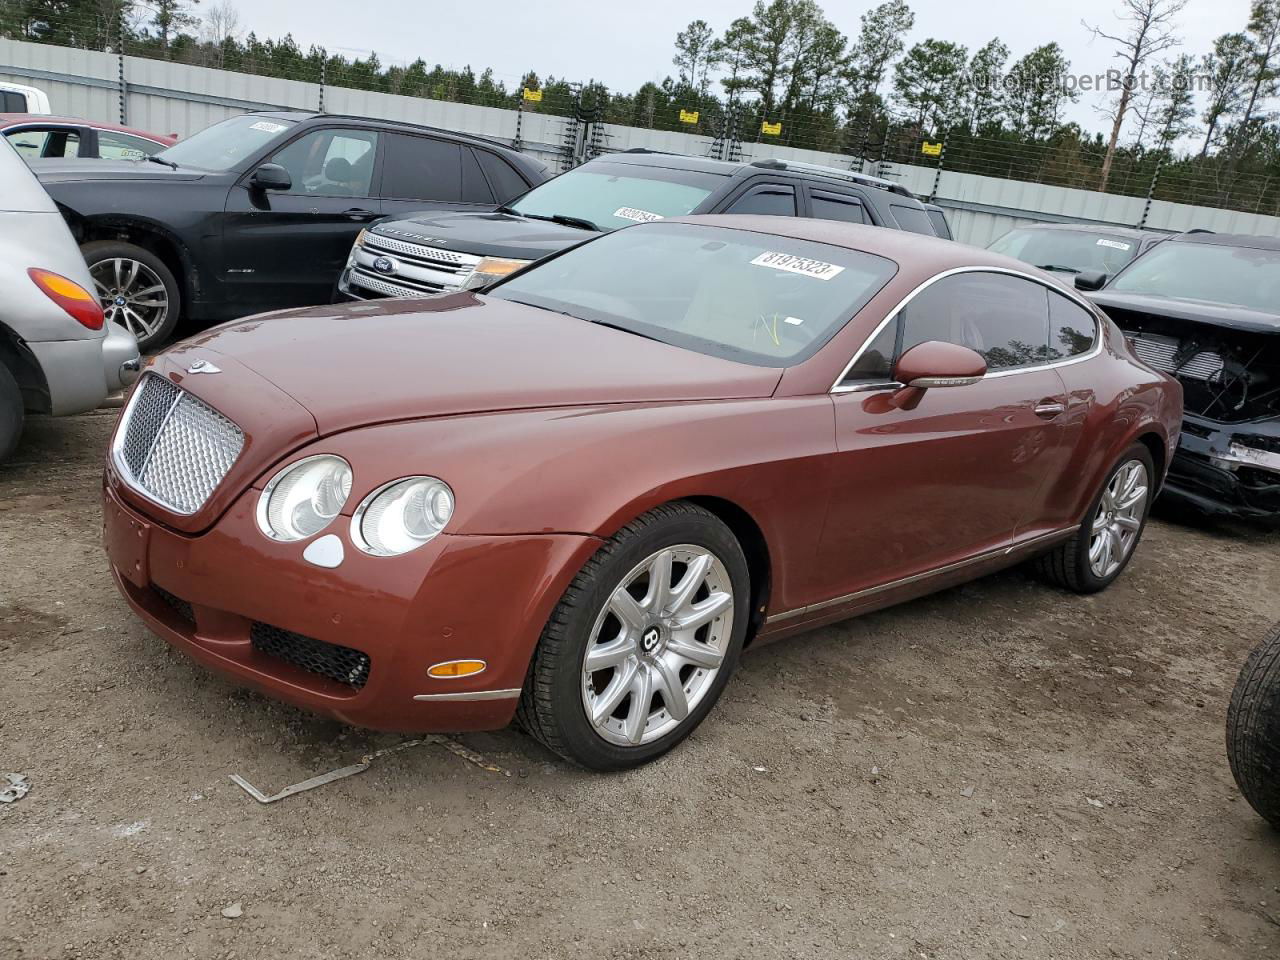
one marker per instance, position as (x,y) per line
(132,295)
(657,646)
(1119,519)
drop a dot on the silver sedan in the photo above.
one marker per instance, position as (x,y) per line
(58,353)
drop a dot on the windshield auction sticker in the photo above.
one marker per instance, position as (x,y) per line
(804,266)
(1117,244)
(639,216)
(266,126)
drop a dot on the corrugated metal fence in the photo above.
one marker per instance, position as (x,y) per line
(176,98)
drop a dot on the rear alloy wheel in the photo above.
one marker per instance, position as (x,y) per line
(642,643)
(136,290)
(1103,545)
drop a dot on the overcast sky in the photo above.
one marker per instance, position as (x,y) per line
(625,44)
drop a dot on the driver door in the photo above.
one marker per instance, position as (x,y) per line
(285,248)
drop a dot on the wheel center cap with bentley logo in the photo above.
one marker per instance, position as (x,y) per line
(650,639)
(384,265)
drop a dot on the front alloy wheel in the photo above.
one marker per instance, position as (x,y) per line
(643,641)
(132,295)
(658,644)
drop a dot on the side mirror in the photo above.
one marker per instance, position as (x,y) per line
(934,364)
(1090,280)
(271,176)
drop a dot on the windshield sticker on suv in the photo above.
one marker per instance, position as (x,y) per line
(1118,244)
(805,266)
(639,216)
(266,126)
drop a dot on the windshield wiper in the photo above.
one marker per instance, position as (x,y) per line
(1056,266)
(618,326)
(168,163)
(565,219)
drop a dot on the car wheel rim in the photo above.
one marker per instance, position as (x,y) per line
(657,645)
(1119,519)
(132,295)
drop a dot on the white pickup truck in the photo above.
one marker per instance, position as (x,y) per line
(17,98)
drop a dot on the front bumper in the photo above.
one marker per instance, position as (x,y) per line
(1224,469)
(254,610)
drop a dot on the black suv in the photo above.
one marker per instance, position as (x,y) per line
(259,212)
(429,253)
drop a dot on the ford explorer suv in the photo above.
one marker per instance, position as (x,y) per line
(259,212)
(429,253)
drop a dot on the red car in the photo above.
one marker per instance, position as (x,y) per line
(578,496)
(35,135)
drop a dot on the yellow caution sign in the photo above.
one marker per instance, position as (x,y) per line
(533,96)
(771,129)
(688,116)
(931,149)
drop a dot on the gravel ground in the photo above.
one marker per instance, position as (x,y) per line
(1001,770)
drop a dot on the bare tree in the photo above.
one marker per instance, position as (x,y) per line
(1148,30)
(221,25)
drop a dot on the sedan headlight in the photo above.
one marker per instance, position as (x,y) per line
(401,516)
(492,269)
(304,497)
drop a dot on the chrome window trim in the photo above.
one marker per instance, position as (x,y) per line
(840,387)
(916,578)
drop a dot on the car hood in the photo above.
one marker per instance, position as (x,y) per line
(490,234)
(362,363)
(66,171)
(1199,311)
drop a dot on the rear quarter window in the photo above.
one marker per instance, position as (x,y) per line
(506,183)
(913,219)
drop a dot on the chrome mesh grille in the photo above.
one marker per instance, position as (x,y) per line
(1162,353)
(174,447)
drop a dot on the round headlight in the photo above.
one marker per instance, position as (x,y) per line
(402,515)
(304,497)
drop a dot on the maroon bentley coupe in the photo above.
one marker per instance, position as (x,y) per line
(577,497)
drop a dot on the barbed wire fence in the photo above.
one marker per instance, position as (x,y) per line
(727,128)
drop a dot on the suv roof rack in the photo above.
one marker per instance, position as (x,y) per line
(834,173)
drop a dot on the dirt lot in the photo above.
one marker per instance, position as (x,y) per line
(1002,770)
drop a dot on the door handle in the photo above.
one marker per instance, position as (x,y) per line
(1048,409)
(356,213)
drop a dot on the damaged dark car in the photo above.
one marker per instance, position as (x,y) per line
(1205,308)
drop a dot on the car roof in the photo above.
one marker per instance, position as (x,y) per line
(913,252)
(298,116)
(1228,240)
(654,158)
(12,119)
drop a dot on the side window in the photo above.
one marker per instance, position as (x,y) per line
(1072,329)
(12,102)
(330,163)
(875,364)
(834,206)
(913,219)
(474,187)
(772,200)
(422,168)
(28,143)
(113,145)
(940,225)
(1002,317)
(506,183)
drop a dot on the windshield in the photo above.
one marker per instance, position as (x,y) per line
(225,144)
(752,297)
(612,195)
(1070,250)
(1236,276)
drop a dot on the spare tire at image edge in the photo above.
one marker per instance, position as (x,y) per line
(1253,729)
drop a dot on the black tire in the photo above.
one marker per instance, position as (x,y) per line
(12,413)
(1067,565)
(1253,729)
(99,250)
(551,706)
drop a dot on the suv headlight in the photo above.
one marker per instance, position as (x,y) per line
(492,269)
(304,497)
(401,516)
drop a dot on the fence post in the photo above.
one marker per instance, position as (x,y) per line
(324,70)
(120,80)
(937,175)
(1151,192)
